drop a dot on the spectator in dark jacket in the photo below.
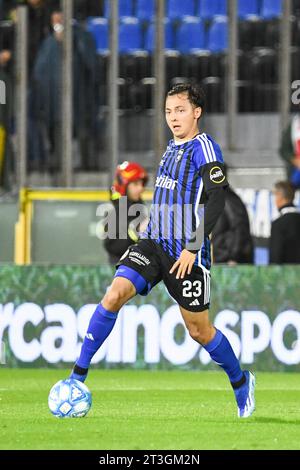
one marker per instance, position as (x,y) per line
(130,180)
(285,231)
(47,86)
(6,117)
(231,239)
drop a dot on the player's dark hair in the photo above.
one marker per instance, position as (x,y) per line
(286,189)
(196,95)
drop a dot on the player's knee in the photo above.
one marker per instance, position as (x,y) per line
(201,335)
(117,296)
(113,299)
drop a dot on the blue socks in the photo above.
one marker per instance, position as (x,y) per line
(100,326)
(222,353)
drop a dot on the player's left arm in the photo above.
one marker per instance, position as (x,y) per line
(215,186)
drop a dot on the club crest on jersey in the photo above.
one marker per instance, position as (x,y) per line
(165,182)
(216,175)
(179,155)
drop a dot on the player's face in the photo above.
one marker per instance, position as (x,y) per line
(182,117)
(135,190)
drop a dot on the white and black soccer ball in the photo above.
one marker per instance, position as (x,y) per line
(69,398)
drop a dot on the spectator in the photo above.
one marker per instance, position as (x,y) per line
(231,238)
(130,180)
(290,150)
(6,153)
(39,12)
(285,231)
(47,84)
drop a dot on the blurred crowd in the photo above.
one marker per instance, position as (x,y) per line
(45,85)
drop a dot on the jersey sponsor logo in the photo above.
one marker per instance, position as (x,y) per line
(216,175)
(138,258)
(165,182)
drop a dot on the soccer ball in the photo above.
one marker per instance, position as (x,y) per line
(69,398)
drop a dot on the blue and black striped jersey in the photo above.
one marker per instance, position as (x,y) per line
(185,173)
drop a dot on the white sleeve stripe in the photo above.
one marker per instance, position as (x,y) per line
(211,159)
(212,148)
(204,150)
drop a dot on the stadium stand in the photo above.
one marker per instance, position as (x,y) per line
(248,8)
(208,9)
(271,9)
(149,43)
(191,35)
(177,9)
(145,10)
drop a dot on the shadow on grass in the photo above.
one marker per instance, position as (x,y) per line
(269,420)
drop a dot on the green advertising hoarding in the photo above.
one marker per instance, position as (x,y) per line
(45,310)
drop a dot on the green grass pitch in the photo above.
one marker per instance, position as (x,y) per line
(150,410)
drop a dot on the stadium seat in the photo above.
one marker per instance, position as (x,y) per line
(214,89)
(245,96)
(196,67)
(272,33)
(295,61)
(207,9)
(130,35)
(147,92)
(125,8)
(135,67)
(98,27)
(264,65)
(177,9)
(218,35)
(218,65)
(169,36)
(123,94)
(190,36)
(266,98)
(248,8)
(145,10)
(244,71)
(173,66)
(271,9)
(295,27)
(252,33)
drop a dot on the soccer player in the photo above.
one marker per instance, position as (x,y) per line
(190,172)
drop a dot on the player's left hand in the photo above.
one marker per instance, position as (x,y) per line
(184,264)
